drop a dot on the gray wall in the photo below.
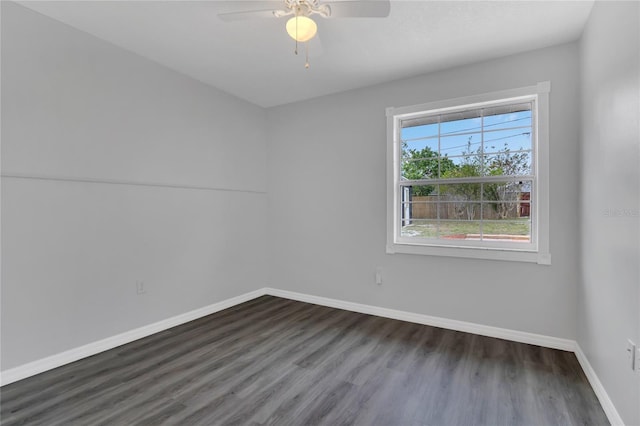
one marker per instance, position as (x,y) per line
(327,196)
(609,297)
(74,106)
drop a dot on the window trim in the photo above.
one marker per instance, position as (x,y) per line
(539,254)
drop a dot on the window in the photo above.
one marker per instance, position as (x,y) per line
(469,177)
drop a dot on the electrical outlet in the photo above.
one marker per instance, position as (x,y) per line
(379,276)
(631,354)
(140,289)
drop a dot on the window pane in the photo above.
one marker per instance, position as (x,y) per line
(461,166)
(418,202)
(510,230)
(503,197)
(420,161)
(412,191)
(422,207)
(459,122)
(459,229)
(500,119)
(448,166)
(507,163)
(461,192)
(414,132)
(524,208)
(502,210)
(507,140)
(419,145)
(420,228)
(462,210)
(460,144)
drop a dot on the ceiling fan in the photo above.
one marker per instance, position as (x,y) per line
(300,26)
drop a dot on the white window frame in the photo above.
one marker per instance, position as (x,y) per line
(538,250)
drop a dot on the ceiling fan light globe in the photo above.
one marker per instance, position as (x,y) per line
(301,28)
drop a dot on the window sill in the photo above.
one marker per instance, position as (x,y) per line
(472,253)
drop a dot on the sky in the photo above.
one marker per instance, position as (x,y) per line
(503,131)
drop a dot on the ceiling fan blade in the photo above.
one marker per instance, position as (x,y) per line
(360,8)
(250,14)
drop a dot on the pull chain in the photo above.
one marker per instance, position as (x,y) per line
(306,47)
(296,51)
(306,55)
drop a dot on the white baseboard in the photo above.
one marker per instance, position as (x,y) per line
(66,357)
(598,389)
(468,327)
(54,361)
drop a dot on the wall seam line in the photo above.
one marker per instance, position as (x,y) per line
(126,182)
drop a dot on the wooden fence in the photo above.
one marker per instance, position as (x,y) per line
(426,207)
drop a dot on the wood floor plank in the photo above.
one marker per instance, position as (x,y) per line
(273,361)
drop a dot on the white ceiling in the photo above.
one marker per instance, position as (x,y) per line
(254,60)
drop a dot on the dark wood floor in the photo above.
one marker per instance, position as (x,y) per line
(280,362)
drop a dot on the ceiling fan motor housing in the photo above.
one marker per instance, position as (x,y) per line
(304,8)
